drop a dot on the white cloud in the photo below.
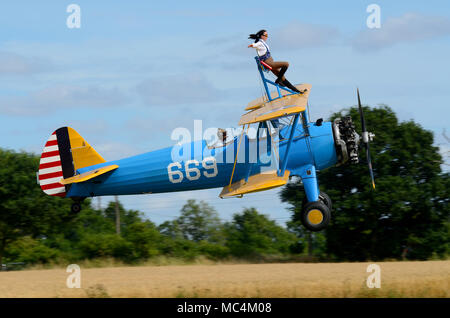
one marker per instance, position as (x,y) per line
(294,35)
(59,97)
(193,13)
(16,64)
(98,126)
(115,150)
(299,35)
(181,89)
(410,27)
(221,40)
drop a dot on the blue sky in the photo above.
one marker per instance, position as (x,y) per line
(135,71)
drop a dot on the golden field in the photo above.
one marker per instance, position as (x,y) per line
(398,279)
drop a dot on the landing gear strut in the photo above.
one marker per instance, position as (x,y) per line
(324,198)
(316,213)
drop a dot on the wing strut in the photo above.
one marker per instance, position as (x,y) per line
(237,153)
(288,147)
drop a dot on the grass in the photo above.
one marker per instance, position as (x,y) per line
(97,291)
(112,262)
(154,261)
(169,278)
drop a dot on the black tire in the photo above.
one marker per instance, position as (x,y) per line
(76,207)
(315,216)
(324,198)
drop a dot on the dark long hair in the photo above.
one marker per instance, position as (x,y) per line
(257,36)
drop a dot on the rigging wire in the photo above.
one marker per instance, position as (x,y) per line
(307,104)
(263,90)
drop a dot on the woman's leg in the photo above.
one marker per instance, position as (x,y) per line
(281,77)
(292,87)
(278,68)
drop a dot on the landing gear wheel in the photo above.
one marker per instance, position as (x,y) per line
(315,216)
(324,198)
(76,207)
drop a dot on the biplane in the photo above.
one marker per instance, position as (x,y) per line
(286,144)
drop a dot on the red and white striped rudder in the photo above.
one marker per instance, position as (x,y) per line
(50,169)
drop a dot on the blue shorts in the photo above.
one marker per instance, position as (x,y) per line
(265,56)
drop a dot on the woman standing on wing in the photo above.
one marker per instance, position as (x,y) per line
(278,68)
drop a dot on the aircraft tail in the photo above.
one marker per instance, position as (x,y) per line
(64,152)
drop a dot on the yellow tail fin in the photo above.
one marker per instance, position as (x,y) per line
(83,154)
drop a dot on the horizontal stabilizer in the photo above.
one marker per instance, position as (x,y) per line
(259,182)
(88,175)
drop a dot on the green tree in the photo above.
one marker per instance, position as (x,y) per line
(144,238)
(24,208)
(407,215)
(127,217)
(91,221)
(252,234)
(171,229)
(198,231)
(99,245)
(31,251)
(94,235)
(312,243)
(199,222)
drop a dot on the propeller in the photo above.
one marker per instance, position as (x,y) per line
(366,138)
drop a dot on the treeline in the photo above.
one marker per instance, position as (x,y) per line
(406,217)
(92,234)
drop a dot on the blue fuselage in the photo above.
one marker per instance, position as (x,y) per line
(196,166)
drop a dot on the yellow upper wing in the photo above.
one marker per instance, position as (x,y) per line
(259,102)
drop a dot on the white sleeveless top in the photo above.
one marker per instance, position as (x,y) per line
(261,47)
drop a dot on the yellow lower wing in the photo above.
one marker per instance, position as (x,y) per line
(255,183)
(88,175)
